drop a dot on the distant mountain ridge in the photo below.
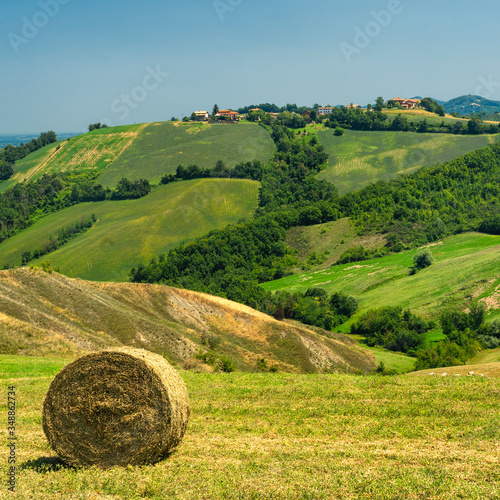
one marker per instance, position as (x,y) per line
(470,105)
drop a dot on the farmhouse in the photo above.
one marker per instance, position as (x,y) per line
(407,103)
(227,114)
(325,111)
(201,115)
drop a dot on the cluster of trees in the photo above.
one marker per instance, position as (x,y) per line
(64,234)
(10,154)
(131,190)
(244,170)
(357,119)
(273,108)
(403,331)
(291,120)
(97,126)
(393,329)
(312,307)
(491,224)
(360,253)
(23,203)
(466,333)
(432,106)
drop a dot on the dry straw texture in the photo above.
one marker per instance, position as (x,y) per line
(116,407)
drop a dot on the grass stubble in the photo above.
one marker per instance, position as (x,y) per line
(282,436)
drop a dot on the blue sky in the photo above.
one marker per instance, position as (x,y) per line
(68,63)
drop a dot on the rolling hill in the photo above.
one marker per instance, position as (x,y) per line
(161,147)
(50,314)
(147,151)
(132,231)
(360,158)
(95,150)
(465,269)
(471,104)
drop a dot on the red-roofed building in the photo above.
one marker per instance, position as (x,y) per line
(227,114)
(407,103)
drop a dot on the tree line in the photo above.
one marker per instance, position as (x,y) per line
(65,234)
(26,202)
(375,120)
(400,330)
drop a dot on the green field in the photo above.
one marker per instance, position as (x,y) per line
(286,437)
(417,115)
(161,147)
(133,231)
(360,158)
(95,150)
(465,268)
(147,151)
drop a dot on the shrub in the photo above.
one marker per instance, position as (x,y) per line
(226,365)
(423,259)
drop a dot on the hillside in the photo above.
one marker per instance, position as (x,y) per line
(359,158)
(95,150)
(147,151)
(465,269)
(471,104)
(132,231)
(48,314)
(161,147)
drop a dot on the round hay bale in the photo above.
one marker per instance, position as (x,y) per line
(116,407)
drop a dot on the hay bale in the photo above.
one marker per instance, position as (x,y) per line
(116,407)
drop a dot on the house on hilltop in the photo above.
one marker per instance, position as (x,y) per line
(201,115)
(325,111)
(407,103)
(227,114)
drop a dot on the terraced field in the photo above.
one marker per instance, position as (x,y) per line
(132,231)
(360,158)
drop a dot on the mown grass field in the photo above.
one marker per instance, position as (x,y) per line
(465,268)
(421,114)
(360,158)
(161,147)
(133,231)
(147,151)
(95,150)
(277,436)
